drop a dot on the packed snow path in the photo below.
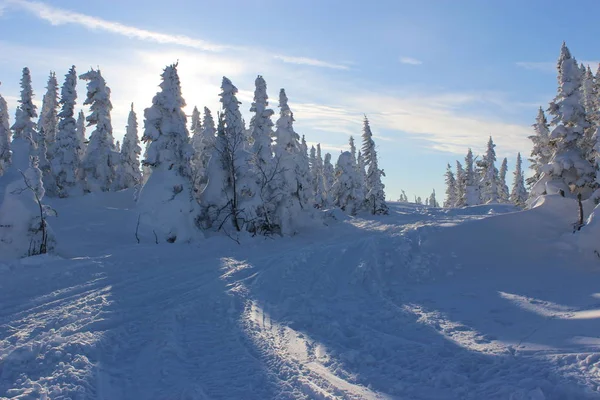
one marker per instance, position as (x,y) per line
(421,304)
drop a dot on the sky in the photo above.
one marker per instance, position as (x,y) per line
(434,77)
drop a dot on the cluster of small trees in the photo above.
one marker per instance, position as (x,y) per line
(430,201)
(480,182)
(566,151)
(224,176)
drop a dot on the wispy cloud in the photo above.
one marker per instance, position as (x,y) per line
(310,61)
(538,66)
(410,61)
(57,16)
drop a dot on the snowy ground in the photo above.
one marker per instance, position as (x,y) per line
(422,304)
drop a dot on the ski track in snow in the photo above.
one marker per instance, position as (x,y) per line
(416,305)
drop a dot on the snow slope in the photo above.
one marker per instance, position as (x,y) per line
(478,303)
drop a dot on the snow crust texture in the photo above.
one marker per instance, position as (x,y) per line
(418,304)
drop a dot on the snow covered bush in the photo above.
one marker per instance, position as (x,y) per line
(166,202)
(23,228)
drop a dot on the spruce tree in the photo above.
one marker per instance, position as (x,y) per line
(360,166)
(24,133)
(166,202)
(5,154)
(293,183)
(128,170)
(461,186)
(320,190)
(228,198)
(328,178)
(65,160)
(265,168)
(353,150)
(568,170)
(101,156)
(503,195)
(375,196)
(81,139)
(471,195)
(518,195)
(432,201)
(450,201)
(347,188)
(47,126)
(489,193)
(541,150)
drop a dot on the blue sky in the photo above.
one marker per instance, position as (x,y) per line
(434,77)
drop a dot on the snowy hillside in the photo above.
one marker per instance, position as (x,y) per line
(474,303)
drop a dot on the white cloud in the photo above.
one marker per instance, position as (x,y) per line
(410,61)
(310,61)
(57,16)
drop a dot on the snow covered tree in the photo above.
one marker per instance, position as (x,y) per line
(312,161)
(81,139)
(231,197)
(461,186)
(503,195)
(166,202)
(541,150)
(489,193)
(471,195)
(432,200)
(589,96)
(294,182)
(101,156)
(450,189)
(196,122)
(353,150)
(329,178)
(375,196)
(347,189)
(23,145)
(569,170)
(320,191)
(266,168)
(128,171)
(23,228)
(360,166)
(5,154)
(518,195)
(47,126)
(65,160)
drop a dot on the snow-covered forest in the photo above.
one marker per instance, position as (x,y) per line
(209,174)
(208,257)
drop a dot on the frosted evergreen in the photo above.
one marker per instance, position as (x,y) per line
(328,178)
(47,127)
(568,167)
(5,136)
(503,195)
(24,132)
(471,195)
(450,188)
(347,189)
(461,186)
(518,195)
(128,170)
(65,162)
(81,139)
(375,196)
(101,156)
(166,202)
(541,150)
(489,184)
